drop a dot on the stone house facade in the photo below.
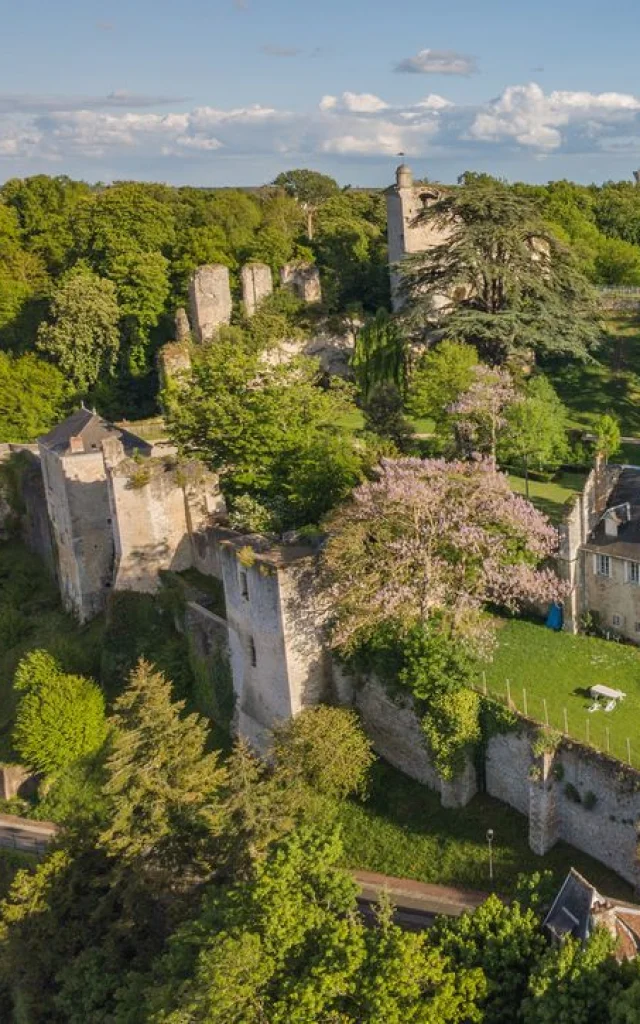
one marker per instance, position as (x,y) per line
(600,552)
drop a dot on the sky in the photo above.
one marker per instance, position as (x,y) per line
(231,92)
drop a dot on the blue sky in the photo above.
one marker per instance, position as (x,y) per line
(231,92)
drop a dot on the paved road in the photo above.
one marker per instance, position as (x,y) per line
(416,903)
(25,835)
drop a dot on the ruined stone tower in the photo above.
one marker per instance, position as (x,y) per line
(209,300)
(405,233)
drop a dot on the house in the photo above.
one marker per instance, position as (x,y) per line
(579,909)
(600,552)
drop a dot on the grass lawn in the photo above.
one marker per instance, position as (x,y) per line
(403,830)
(551,497)
(610,384)
(559,668)
(355,421)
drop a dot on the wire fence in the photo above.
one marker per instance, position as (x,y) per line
(592,729)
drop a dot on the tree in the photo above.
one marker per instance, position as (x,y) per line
(327,749)
(575,983)
(510,284)
(384,415)
(379,355)
(269,431)
(431,537)
(142,286)
(439,378)
(309,188)
(34,396)
(535,431)
(82,335)
(481,410)
(60,717)
(163,789)
(608,436)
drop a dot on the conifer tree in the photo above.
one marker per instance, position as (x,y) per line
(163,787)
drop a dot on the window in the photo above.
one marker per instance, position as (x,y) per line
(252,652)
(244,586)
(603,565)
(616,621)
(637,627)
(633,572)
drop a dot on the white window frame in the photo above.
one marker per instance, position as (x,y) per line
(603,562)
(633,573)
(617,621)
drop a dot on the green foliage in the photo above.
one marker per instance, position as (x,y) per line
(451,727)
(440,376)
(535,432)
(573,983)
(383,415)
(514,286)
(505,942)
(379,355)
(607,436)
(269,431)
(82,334)
(326,748)
(60,717)
(572,793)
(161,785)
(34,396)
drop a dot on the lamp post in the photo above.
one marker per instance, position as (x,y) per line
(490,843)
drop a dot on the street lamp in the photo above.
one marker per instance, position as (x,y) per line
(490,842)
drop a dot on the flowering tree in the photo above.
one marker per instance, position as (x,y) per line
(480,411)
(428,539)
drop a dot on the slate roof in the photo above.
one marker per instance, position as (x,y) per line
(570,913)
(579,908)
(627,543)
(93,430)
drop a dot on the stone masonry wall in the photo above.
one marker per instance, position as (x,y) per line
(157,508)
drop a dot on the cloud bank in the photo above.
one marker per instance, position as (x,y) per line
(438,62)
(120,127)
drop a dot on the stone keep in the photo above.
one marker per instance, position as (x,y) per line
(303,279)
(209,300)
(405,232)
(257,284)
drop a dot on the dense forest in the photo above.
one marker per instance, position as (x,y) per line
(91,276)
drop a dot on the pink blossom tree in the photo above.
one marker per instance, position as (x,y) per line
(429,536)
(480,411)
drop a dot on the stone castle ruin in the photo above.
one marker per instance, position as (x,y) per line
(119,510)
(210,302)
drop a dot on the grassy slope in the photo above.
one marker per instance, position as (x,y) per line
(404,831)
(560,668)
(553,496)
(611,384)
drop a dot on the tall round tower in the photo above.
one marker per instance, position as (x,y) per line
(404,177)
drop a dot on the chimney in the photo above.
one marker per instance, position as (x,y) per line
(76,444)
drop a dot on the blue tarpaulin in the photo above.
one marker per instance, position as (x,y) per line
(554,618)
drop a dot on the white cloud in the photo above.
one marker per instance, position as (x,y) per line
(535,119)
(32,103)
(438,62)
(350,124)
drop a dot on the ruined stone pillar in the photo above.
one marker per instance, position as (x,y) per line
(459,791)
(209,300)
(172,359)
(543,821)
(183,328)
(257,284)
(303,279)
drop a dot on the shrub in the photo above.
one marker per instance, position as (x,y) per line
(572,793)
(590,800)
(60,717)
(326,748)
